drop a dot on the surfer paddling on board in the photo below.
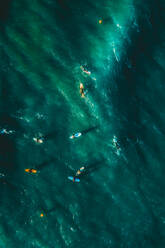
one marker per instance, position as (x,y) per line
(78,173)
(4,131)
(76,135)
(38,140)
(82,90)
(74,179)
(31,171)
(116,144)
(85,71)
(83,132)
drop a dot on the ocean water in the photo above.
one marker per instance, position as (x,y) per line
(120,200)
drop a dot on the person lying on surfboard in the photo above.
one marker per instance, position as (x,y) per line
(82,90)
(4,131)
(85,71)
(31,171)
(76,135)
(74,179)
(80,171)
(38,140)
(116,144)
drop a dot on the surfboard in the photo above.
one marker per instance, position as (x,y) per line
(77,180)
(77,135)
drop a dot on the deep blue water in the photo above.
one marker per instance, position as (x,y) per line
(120,201)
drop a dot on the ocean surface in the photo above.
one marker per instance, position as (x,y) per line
(46,49)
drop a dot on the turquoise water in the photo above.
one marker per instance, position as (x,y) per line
(120,199)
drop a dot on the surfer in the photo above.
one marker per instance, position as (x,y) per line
(76,135)
(116,144)
(38,140)
(82,90)
(85,71)
(80,171)
(74,179)
(31,171)
(4,131)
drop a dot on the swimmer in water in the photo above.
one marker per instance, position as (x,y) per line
(38,140)
(85,71)
(82,90)
(80,171)
(76,135)
(31,171)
